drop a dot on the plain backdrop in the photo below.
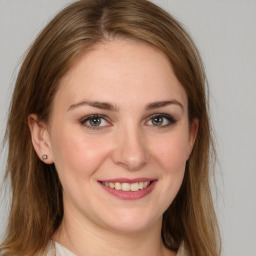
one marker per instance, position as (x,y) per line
(225,32)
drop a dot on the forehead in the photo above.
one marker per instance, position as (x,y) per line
(121,71)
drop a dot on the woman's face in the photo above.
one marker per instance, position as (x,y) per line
(119,136)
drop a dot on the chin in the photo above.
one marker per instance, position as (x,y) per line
(130,221)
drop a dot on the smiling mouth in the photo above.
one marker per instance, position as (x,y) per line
(124,186)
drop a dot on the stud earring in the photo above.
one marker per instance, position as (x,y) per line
(44,157)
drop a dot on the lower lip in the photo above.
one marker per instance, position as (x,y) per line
(129,195)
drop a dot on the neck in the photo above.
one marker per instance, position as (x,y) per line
(86,238)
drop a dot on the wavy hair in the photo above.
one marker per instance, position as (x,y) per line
(37,207)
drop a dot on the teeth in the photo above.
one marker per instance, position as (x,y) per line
(145,184)
(118,186)
(134,186)
(112,185)
(127,186)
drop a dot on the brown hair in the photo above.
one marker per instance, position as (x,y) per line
(37,210)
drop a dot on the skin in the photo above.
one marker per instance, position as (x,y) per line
(127,144)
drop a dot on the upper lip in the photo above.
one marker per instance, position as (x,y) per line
(126,180)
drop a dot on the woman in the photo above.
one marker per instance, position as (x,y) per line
(109,138)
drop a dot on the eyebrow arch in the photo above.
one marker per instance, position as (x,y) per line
(160,104)
(95,104)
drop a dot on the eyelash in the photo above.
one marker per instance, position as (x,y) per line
(169,118)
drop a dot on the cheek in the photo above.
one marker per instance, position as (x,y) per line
(76,154)
(171,153)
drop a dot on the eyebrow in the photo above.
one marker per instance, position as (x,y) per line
(160,104)
(110,107)
(94,104)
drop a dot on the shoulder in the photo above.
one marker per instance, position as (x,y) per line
(2,252)
(49,251)
(56,249)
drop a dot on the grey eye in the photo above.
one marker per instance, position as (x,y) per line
(158,120)
(95,121)
(161,120)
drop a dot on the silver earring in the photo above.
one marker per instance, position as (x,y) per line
(44,157)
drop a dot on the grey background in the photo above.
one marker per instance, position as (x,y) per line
(225,32)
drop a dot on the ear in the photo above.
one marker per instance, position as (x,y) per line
(192,135)
(40,138)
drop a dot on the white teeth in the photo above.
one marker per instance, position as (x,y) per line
(135,186)
(118,186)
(141,185)
(145,184)
(127,186)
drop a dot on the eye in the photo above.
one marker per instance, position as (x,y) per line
(161,120)
(95,122)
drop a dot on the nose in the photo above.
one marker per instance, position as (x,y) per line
(131,150)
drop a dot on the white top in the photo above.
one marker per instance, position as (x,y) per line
(62,251)
(56,249)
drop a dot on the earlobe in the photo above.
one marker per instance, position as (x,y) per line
(40,139)
(192,135)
